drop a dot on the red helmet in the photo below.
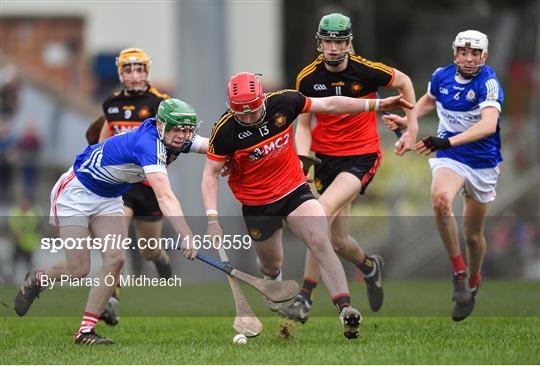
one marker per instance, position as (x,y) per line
(245,93)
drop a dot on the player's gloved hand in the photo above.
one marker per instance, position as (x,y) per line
(432,143)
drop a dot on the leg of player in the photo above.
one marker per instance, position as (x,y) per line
(445,186)
(336,204)
(112,262)
(111,313)
(370,266)
(474,215)
(309,223)
(152,229)
(76,265)
(299,309)
(270,260)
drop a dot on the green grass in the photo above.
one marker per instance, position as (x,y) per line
(413,327)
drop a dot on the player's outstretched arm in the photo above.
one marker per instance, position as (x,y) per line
(404,85)
(200,145)
(487,126)
(345,105)
(209,189)
(424,105)
(169,205)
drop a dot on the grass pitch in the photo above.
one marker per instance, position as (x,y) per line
(413,327)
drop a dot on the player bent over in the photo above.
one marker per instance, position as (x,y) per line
(348,147)
(468,99)
(87,201)
(256,135)
(125,111)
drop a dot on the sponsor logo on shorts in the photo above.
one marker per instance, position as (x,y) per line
(255,233)
(320,87)
(113,110)
(318,184)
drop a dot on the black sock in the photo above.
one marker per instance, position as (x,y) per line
(307,289)
(367,266)
(342,300)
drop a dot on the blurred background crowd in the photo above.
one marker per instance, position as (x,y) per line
(57,65)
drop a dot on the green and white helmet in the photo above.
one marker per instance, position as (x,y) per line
(338,27)
(173,113)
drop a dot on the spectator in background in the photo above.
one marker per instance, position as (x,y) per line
(28,149)
(24,224)
(9,103)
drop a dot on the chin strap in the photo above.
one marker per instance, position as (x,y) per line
(137,91)
(336,62)
(468,76)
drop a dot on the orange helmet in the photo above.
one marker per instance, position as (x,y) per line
(132,56)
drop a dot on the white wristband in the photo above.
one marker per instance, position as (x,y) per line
(213,221)
(366,105)
(377,102)
(211,212)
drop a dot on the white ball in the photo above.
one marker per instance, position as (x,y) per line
(396,144)
(240,339)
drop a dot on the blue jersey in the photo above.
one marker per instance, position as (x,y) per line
(459,104)
(109,168)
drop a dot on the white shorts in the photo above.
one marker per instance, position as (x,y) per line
(480,184)
(73,204)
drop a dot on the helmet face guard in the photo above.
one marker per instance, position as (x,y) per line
(176,113)
(471,39)
(335,27)
(246,96)
(133,56)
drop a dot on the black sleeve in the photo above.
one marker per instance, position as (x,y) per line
(221,139)
(293,101)
(303,85)
(379,74)
(105,106)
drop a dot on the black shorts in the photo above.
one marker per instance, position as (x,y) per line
(142,200)
(363,167)
(264,220)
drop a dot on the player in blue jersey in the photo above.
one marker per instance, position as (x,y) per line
(468,99)
(87,202)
